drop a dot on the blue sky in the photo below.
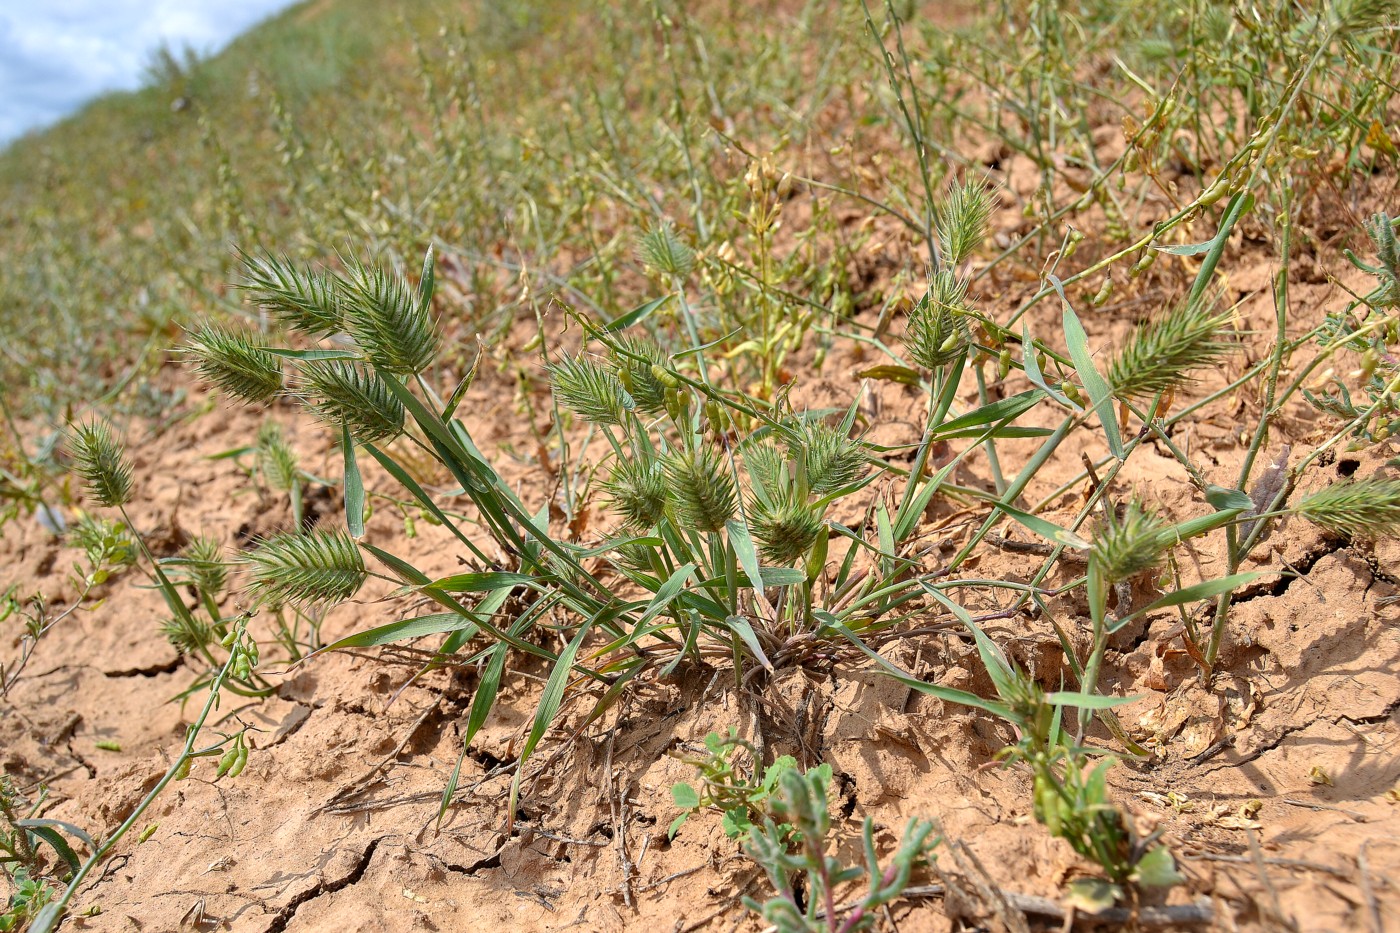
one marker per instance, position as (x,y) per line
(57,54)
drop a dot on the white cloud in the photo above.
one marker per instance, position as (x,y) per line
(57,54)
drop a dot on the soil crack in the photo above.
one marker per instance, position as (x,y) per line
(285,915)
(153,670)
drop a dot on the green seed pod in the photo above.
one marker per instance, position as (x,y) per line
(1143,264)
(663,376)
(240,762)
(678,405)
(1004,363)
(183,771)
(227,760)
(1101,296)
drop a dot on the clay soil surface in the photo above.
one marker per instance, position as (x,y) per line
(1276,788)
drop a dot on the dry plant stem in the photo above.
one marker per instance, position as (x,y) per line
(48,918)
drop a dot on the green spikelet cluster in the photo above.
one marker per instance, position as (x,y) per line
(662,251)
(324,566)
(101,462)
(1130,545)
(276,460)
(937,326)
(833,459)
(188,635)
(340,392)
(1365,508)
(204,563)
(390,322)
(236,362)
(961,222)
(700,489)
(637,377)
(590,390)
(785,526)
(310,302)
(638,491)
(1162,354)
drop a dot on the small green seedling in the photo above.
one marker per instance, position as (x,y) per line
(727,785)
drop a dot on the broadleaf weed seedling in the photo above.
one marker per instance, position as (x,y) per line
(741,793)
(802,808)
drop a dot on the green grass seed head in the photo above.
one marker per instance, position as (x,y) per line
(204,561)
(389,322)
(321,567)
(700,489)
(340,392)
(937,328)
(638,491)
(307,301)
(1365,508)
(961,222)
(236,362)
(785,527)
(590,390)
(1129,545)
(1162,354)
(101,462)
(637,377)
(833,460)
(660,250)
(276,459)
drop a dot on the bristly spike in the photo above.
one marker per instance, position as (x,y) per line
(701,490)
(1364,508)
(937,330)
(662,251)
(340,392)
(324,566)
(1161,354)
(236,362)
(101,463)
(308,301)
(1130,545)
(390,322)
(961,222)
(590,390)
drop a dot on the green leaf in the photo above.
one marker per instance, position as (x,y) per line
(406,571)
(308,355)
(949,694)
(669,590)
(426,282)
(891,372)
(435,624)
(636,315)
(685,796)
(549,703)
(1032,370)
(1224,499)
(1239,204)
(1186,249)
(1157,869)
(354,487)
(1085,700)
(741,627)
(1046,529)
(1094,384)
(992,412)
(742,543)
(483,582)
